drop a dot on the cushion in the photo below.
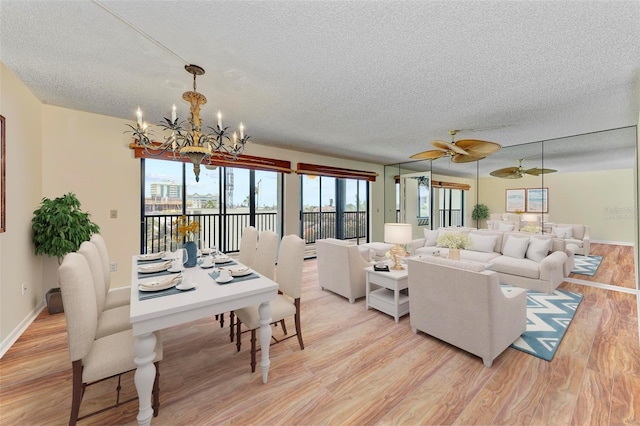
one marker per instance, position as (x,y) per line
(505,227)
(430,237)
(563,231)
(483,243)
(538,249)
(516,247)
(522,267)
(367,253)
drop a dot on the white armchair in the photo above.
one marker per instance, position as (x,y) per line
(576,234)
(341,268)
(464,305)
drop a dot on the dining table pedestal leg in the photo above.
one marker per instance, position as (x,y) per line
(145,375)
(264,310)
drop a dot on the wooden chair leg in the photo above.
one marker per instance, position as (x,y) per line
(221,320)
(284,327)
(297,320)
(156,391)
(76,393)
(238,335)
(253,350)
(231,325)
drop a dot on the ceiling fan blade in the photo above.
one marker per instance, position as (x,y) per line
(448,146)
(464,158)
(429,155)
(508,173)
(537,172)
(478,148)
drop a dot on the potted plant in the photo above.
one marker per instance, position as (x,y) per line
(480,212)
(454,241)
(59,227)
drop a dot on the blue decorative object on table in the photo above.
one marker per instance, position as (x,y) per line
(192,253)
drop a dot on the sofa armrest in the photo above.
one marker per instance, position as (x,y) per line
(586,241)
(415,244)
(553,262)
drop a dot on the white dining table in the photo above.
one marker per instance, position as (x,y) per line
(209,298)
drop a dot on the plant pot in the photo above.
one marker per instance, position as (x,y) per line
(192,254)
(454,254)
(53,299)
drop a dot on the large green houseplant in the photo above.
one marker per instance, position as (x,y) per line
(59,227)
(480,212)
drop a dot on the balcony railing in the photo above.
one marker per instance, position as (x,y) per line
(159,230)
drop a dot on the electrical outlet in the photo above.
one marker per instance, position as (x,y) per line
(113,214)
(24,288)
(114,266)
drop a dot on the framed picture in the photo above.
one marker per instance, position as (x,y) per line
(538,200)
(2,174)
(515,200)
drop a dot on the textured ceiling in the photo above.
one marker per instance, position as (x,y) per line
(375,81)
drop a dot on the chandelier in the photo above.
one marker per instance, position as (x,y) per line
(189,140)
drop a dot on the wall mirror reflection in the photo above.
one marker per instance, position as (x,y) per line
(587,180)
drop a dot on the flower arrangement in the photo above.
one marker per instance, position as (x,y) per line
(454,240)
(185,230)
(518,211)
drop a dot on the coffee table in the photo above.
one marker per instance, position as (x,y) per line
(384,291)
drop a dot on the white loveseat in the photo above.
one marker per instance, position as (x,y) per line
(531,261)
(464,305)
(341,268)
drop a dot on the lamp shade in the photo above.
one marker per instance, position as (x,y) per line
(397,233)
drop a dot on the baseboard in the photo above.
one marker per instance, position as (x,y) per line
(6,344)
(615,243)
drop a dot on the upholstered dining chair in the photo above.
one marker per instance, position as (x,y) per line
(94,359)
(111,320)
(118,296)
(248,245)
(286,304)
(265,262)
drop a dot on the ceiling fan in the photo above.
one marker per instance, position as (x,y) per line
(462,151)
(518,172)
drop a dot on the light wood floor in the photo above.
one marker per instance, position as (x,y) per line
(358,367)
(617,267)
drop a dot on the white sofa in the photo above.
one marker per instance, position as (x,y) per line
(573,233)
(537,263)
(464,305)
(341,268)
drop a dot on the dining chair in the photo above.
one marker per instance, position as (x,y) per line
(95,359)
(248,245)
(118,296)
(265,262)
(286,303)
(111,320)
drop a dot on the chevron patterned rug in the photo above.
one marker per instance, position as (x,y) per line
(586,265)
(548,317)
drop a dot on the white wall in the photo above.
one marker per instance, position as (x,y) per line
(18,264)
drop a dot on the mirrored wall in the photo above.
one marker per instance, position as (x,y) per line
(586,179)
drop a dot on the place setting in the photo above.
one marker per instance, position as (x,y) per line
(232,273)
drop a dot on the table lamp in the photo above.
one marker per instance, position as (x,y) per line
(397,233)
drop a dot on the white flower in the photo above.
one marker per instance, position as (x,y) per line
(454,240)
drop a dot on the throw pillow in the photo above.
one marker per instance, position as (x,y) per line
(483,243)
(516,247)
(538,249)
(505,227)
(430,237)
(367,253)
(563,232)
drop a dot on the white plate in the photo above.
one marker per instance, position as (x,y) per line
(150,269)
(206,266)
(238,271)
(172,269)
(151,256)
(220,280)
(205,251)
(222,259)
(185,287)
(157,287)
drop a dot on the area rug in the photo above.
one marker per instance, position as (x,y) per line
(548,317)
(586,265)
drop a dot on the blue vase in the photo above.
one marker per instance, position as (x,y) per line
(192,254)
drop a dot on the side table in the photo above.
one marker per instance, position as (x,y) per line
(383,291)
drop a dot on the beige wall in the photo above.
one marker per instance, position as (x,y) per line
(603,200)
(55,150)
(18,264)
